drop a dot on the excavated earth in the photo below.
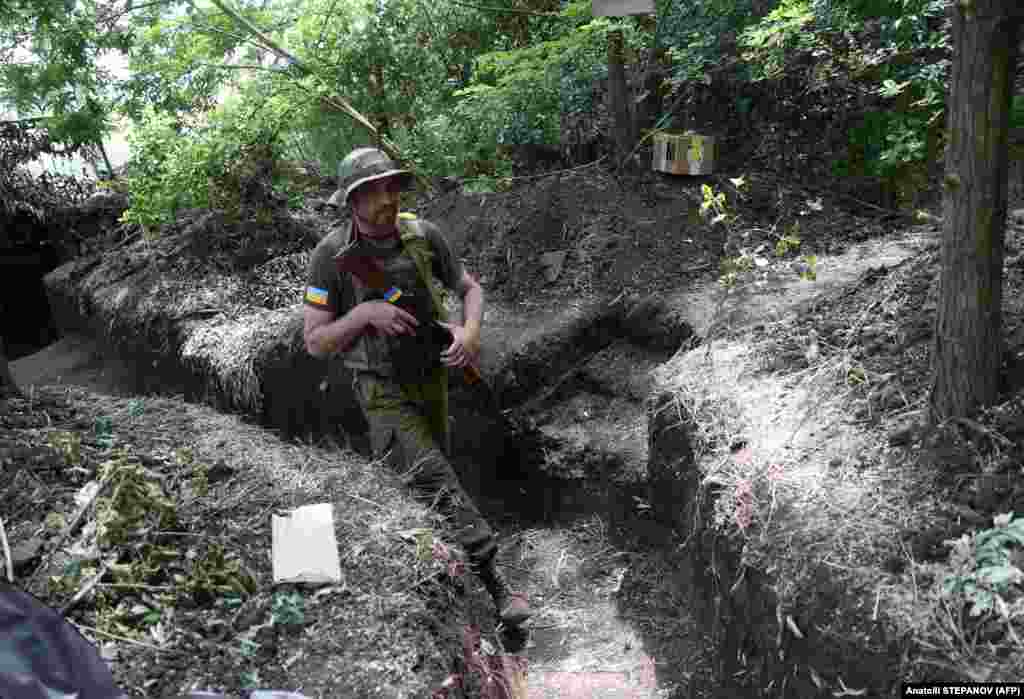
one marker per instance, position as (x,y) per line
(574,448)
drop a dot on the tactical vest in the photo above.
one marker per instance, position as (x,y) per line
(407,359)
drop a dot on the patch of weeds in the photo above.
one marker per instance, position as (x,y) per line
(969,609)
(55,522)
(745,263)
(431,550)
(103,429)
(856,376)
(248,648)
(985,570)
(214,575)
(200,480)
(288,609)
(71,577)
(136,505)
(68,445)
(788,242)
(251,679)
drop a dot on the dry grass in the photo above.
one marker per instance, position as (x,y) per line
(368,631)
(799,459)
(797,481)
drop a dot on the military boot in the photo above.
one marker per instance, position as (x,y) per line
(512,607)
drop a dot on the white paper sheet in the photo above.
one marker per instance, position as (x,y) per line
(305,549)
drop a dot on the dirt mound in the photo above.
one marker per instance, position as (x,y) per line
(198,584)
(819,509)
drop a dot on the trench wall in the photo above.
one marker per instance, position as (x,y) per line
(752,650)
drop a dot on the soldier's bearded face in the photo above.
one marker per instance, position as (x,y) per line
(376,202)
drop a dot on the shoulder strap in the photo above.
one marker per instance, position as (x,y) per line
(417,245)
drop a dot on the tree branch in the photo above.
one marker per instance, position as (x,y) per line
(238,37)
(130,8)
(27,120)
(8,561)
(238,66)
(337,102)
(323,28)
(509,10)
(122,639)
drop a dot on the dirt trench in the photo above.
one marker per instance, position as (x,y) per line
(570,495)
(565,487)
(588,532)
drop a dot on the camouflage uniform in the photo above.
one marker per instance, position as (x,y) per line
(408,419)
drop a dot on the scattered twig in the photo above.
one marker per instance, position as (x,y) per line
(558,568)
(166,533)
(86,589)
(890,212)
(135,586)
(699,268)
(67,532)
(427,578)
(92,629)
(362,499)
(8,561)
(127,239)
(980,429)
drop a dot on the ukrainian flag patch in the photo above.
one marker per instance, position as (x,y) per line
(393,294)
(317,296)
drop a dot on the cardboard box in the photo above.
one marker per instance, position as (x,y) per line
(684,154)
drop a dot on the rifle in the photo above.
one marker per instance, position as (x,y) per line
(360,262)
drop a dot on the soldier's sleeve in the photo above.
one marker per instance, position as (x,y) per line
(323,287)
(446,266)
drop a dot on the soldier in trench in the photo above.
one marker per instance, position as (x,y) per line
(378,313)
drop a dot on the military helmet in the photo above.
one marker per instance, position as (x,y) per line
(365,165)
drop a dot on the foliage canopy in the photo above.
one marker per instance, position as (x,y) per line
(458,86)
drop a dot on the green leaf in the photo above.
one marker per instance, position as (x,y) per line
(1000,576)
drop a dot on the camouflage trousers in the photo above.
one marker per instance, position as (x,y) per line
(409,428)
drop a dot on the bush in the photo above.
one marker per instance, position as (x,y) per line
(211,165)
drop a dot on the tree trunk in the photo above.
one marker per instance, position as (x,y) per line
(106,160)
(967,348)
(7,385)
(618,93)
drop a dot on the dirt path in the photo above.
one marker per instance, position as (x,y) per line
(76,360)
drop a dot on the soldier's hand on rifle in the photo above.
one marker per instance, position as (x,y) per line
(388,319)
(464,350)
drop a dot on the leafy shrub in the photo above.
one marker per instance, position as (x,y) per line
(1017,112)
(516,97)
(985,572)
(766,43)
(210,165)
(697,33)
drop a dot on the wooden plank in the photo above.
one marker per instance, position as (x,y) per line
(622,8)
